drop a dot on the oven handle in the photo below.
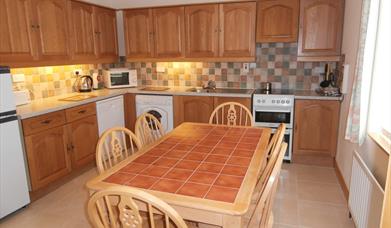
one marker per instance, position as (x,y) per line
(273,110)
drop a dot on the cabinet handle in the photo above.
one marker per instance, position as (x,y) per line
(82,111)
(38,26)
(46,122)
(69,148)
(72,147)
(295,127)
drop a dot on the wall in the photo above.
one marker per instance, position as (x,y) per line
(375,158)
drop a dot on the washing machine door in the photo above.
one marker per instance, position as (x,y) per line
(161,115)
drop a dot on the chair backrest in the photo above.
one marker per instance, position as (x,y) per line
(148,129)
(231,114)
(276,140)
(115,145)
(262,212)
(120,206)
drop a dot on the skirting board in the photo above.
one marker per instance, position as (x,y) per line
(341,181)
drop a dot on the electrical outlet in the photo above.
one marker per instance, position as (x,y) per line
(160,69)
(246,67)
(18,78)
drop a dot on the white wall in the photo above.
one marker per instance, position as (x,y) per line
(375,158)
(124,4)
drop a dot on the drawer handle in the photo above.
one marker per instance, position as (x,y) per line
(46,122)
(82,111)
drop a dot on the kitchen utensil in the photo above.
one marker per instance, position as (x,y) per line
(326,80)
(84,84)
(266,86)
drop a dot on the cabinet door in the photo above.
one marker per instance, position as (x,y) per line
(316,127)
(16,36)
(47,154)
(83,135)
(106,33)
(130,111)
(237,29)
(138,31)
(202,23)
(320,31)
(277,20)
(81,19)
(192,109)
(169,32)
(52,29)
(244,101)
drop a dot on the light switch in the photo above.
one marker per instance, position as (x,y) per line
(18,78)
(160,69)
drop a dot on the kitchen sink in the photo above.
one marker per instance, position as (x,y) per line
(77,97)
(155,88)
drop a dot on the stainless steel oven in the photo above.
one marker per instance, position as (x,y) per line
(270,110)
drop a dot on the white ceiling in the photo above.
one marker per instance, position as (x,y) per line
(125,4)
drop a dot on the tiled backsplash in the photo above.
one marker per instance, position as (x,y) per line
(275,62)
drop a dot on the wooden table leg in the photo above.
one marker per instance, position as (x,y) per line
(232,221)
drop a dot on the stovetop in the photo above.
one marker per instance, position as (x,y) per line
(275,92)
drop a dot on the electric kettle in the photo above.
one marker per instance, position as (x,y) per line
(84,84)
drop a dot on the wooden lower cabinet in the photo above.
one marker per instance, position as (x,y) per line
(83,135)
(130,111)
(199,108)
(315,131)
(48,156)
(55,152)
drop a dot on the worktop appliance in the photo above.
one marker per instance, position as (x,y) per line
(119,78)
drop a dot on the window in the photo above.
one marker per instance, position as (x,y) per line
(379,124)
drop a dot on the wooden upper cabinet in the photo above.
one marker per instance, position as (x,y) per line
(16,36)
(202,29)
(81,20)
(192,109)
(106,33)
(138,31)
(237,29)
(316,127)
(52,29)
(320,33)
(169,32)
(277,20)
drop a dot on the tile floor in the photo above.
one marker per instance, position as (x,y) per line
(308,196)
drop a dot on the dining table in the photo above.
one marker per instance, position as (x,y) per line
(206,172)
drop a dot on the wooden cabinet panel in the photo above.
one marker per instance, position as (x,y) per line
(16,36)
(202,29)
(169,32)
(130,111)
(277,20)
(80,112)
(81,20)
(316,127)
(51,23)
(320,31)
(106,33)
(138,31)
(83,136)
(43,122)
(237,29)
(244,101)
(47,155)
(192,109)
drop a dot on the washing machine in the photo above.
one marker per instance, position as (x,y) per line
(159,106)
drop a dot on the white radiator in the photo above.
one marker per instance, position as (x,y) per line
(365,195)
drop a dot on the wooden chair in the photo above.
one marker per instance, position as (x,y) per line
(231,114)
(121,206)
(273,150)
(115,145)
(148,129)
(261,214)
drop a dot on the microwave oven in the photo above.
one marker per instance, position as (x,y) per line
(119,78)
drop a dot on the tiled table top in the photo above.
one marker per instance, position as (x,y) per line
(202,161)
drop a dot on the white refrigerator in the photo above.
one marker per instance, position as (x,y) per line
(14,190)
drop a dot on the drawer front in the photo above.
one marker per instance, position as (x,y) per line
(43,122)
(80,112)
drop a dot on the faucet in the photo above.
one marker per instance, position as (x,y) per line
(210,85)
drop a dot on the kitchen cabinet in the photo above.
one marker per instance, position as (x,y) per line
(192,109)
(199,108)
(138,31)
(17,34)
(202,30)
(315,131)
(169,32)
(130,111)
(48,156)
(81,20)
(51,27)
(320,33)
(105,33)
(237,29)
(277,20)
(60,143)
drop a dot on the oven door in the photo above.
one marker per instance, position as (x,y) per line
(288,139)
(272,117)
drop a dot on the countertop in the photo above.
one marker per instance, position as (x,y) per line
(52,104)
